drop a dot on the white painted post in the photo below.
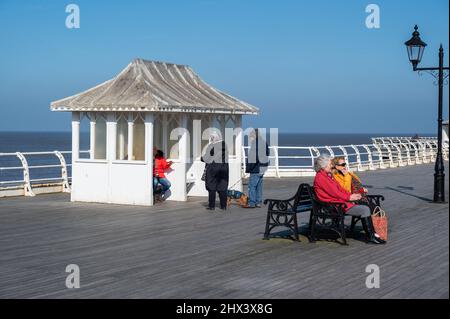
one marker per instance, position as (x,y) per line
(380,156)
(64,176)
(358,158)
(92,137)
(369,157)
(222,119)
(425,153)
(130,136)
(408,154)
(314,156)
(149,134)
(183,152)
(244,160)
(431,151)
(391,159)
(277,160)
(330,151)
(183,143)
(416,153)
(121,140)
(75,136)
(344,151)
(111,136)
(399,156)
(239,142)
(26,175)
(196,139)
(165,135)
(149,126)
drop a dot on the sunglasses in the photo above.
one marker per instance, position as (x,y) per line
(342,164)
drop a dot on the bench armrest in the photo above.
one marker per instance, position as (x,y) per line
(376,197)
(280,205)
(330,209)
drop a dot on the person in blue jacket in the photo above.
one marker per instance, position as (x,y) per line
(257,163)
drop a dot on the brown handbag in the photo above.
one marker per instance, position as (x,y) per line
(380,222)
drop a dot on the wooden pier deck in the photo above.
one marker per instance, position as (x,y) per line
(180,250)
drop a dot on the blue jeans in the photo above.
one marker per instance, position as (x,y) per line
(255,189)
(164,182)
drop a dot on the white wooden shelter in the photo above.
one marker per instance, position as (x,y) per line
(138,110)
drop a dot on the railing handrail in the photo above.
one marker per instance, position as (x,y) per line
(384,152)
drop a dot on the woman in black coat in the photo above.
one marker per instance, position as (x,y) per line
(217,172)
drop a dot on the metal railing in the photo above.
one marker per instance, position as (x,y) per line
(385,152)
(25,184)
(285,161)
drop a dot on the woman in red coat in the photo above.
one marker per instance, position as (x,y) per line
(328,190)
(159,178)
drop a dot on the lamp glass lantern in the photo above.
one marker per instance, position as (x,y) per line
(415,47)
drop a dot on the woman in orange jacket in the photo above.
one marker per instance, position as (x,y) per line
(348,180)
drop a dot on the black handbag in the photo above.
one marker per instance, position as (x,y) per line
(204,175)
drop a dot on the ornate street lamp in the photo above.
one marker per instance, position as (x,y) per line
(415,47)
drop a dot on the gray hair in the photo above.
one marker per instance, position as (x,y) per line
(214,137)
(321,162)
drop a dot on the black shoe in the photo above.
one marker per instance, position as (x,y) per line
(376,240)
(223,208)
(210,208)
(379,240)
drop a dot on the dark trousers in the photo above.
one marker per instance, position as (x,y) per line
(222,197)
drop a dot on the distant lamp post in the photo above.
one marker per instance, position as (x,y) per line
(415,47)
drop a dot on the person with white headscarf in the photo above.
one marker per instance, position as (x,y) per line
(217,171)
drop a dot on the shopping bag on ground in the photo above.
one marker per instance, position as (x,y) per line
(380,222)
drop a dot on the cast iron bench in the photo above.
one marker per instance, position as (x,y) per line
(330,216)
(283,212)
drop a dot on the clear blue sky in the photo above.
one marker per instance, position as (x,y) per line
(311,66)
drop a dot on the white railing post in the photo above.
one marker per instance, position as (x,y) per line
(330,151)
(423,152)
(399,156)
(316,151)
(64,176)
(26,175)
(408,155)
(277,161)
(244,161)
(431,151)
(416,152)
(369,157)
(391,158)
(380,156)
(358,157)
(344,151)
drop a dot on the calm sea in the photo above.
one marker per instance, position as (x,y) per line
(11,142)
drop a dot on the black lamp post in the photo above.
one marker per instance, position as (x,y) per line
(415,47)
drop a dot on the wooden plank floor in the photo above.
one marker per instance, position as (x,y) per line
(179,250)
